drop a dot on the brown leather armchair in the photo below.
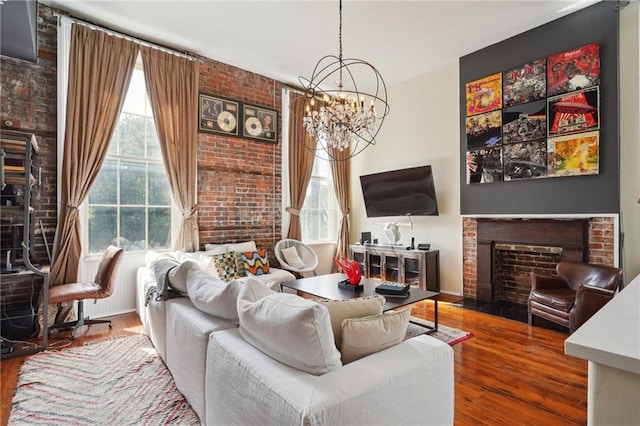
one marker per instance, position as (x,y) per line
(101,288)
(571,298)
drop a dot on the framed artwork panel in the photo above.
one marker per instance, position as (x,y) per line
(574,112)
(217,115)
(259,123)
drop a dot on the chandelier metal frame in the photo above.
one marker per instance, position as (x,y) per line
(339,114)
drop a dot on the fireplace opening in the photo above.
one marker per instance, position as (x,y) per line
(512,265)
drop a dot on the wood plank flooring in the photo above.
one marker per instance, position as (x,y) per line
(508,373)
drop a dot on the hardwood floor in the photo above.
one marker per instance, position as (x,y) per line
(508,373)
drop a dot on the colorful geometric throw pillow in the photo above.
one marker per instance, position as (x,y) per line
(255,262)
(226,266)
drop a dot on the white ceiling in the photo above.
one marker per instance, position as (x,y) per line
(285,39)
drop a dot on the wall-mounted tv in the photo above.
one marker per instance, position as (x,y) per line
(400,192)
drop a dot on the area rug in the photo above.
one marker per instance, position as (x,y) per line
(448,335)
(121,381)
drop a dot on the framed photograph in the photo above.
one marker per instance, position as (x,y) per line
(259,123)
(217,115)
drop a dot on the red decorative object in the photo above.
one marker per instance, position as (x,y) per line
(351,268)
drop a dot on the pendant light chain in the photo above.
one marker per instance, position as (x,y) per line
(340,43)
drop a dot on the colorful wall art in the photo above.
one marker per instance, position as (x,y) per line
(484,95)
(525,84)
(573,155)
(542,122)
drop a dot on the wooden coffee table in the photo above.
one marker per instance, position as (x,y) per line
(326,287)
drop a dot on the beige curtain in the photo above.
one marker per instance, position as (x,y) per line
(172,83)
(341,171)
(301,159)
(100,68)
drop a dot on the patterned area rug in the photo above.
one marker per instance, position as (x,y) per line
(446,334)
(120,381)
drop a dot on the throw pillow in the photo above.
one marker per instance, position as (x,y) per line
(244,246)
(226,266)
(364,336)
(292,257)
(255,262)
(217,248)
(290,329)
(340,310)
(213,296)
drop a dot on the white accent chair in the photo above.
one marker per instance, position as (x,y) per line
(307,256)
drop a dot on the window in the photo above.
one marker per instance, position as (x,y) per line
(320,214)
(130,204)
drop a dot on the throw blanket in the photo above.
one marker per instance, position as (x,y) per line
(161,268)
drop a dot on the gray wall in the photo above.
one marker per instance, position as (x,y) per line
(560,195)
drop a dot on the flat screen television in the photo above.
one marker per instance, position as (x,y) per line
(400,193)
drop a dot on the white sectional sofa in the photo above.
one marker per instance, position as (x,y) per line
(229,381)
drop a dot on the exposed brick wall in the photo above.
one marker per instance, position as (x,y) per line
(513,263)
(601,249)
(469,257)
(240,180)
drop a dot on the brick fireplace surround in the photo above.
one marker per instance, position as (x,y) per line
(508,248)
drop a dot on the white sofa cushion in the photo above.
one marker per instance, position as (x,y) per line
(245,386)
(364,336)
(340,310)
(275,277)
(240,247)
(212,295)
(188,331)
(218,248)
(291,329)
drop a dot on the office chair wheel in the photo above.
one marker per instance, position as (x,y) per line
(110,325)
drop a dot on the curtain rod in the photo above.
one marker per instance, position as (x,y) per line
(293,88)
(190,56)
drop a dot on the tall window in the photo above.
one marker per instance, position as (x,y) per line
(319,215)
(130,204)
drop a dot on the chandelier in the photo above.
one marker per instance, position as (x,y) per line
(340,114)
